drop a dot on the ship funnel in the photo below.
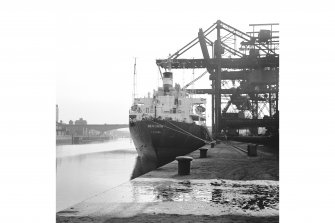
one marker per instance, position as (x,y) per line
(167,81)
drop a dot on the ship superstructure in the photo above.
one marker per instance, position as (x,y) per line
(168,124)
(169,103)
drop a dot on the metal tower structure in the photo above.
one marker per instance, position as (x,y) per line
(245,80)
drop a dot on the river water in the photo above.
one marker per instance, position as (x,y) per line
(88,169)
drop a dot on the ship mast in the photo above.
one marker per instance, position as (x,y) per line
(134,82)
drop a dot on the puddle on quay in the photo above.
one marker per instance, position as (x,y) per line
(216,195)
(244,196)
(171,191)
(221,192)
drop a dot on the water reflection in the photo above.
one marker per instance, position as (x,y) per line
(88,169)
(142,166)
(217,195)
(85,170)
(245,196)
(165,190)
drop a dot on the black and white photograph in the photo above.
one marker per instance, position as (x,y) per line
(160,119)
(166,111)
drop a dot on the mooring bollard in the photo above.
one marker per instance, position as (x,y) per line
(184,164)
(212,144)
(252,150)
(203,152)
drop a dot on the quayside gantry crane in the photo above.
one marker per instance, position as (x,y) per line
(245,80)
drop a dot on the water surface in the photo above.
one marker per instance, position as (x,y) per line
(88,169)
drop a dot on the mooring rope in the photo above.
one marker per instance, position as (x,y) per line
(185,132)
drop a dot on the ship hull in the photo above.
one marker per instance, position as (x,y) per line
(160,141)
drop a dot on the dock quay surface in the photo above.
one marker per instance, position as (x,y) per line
(227,186)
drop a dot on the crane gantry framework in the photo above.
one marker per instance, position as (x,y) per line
(245,78)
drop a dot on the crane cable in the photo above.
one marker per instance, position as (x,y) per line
(195,80)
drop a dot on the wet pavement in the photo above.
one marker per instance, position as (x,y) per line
(214,188)
(191,196)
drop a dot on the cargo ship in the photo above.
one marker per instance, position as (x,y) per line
(171,123)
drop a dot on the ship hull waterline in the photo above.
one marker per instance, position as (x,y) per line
(160,142)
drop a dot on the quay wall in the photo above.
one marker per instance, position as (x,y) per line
(63,140)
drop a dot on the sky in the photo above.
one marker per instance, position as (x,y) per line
(97,44)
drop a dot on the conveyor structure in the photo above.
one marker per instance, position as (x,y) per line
(244,80)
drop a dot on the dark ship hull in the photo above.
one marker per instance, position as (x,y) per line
(160,141)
